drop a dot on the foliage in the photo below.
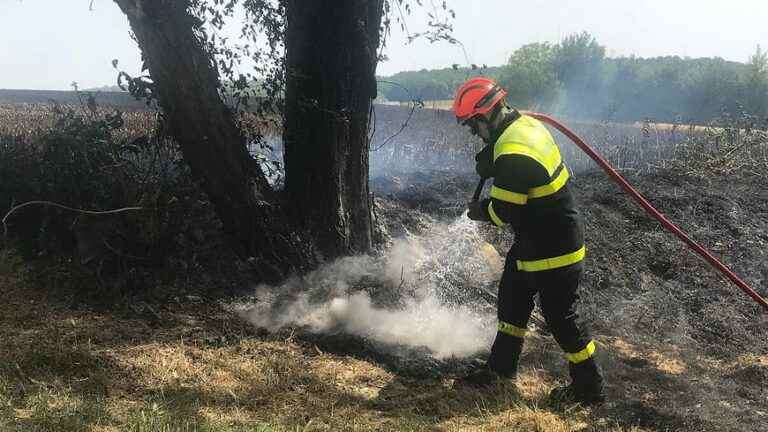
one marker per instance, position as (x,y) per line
(257,89)
(439,27)
(757,82)
(65,165)
(578,60)
(81,163)
(260,86)
(575,79)
(430,84)
(530,77)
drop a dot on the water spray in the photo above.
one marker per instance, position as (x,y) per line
(407,298)
(616,177)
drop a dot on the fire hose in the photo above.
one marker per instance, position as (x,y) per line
(649,208)
(616,177)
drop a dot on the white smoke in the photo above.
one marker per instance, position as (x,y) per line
(430,283)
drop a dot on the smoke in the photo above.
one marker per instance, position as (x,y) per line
(433,140)
(423,292)
(425,139)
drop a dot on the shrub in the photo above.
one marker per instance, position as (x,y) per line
(83,163)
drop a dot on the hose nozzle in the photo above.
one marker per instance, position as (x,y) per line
(478,190)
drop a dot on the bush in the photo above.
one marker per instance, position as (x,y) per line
(82,165)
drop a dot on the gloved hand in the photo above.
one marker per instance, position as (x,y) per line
(484,165)
(476,211)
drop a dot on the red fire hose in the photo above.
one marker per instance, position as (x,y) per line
(704,253)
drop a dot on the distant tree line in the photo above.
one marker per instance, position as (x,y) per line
(576,79)
(426,85)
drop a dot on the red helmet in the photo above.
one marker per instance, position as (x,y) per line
(476,96)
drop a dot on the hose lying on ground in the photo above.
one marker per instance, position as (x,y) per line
(704,253)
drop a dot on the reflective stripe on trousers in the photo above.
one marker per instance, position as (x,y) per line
(552,263)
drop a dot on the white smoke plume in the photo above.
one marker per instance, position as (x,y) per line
(429,284)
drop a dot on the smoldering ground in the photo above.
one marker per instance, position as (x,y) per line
(419,293)
(428,288)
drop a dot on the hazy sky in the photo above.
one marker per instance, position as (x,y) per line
(47,44)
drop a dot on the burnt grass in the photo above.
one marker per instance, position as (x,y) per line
(633,257)
(682,348)
(641,284)
(638,275)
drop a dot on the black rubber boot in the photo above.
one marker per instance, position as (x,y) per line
(587,385)
(501,365)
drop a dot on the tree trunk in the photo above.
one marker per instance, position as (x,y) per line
(331,57)
(331,50)
(187,84)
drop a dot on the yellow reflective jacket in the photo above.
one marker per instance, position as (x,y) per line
(530,193)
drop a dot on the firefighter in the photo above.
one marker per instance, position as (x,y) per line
(530,194)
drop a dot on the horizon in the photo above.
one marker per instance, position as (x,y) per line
(112,87)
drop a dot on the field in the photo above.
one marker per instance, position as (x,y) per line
(46,97)
(683,350)
(432,139)
(25,121)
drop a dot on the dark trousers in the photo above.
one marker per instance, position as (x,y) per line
(558,292)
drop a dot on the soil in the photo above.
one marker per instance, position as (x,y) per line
(682,347)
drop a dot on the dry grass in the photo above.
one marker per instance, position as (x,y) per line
(27,121)
(30,120)
(200,369)
(203,370)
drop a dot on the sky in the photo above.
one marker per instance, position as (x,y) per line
(48,44)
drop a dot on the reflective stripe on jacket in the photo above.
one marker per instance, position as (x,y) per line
(530,194)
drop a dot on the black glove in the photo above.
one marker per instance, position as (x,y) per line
(484,165)
(477,211)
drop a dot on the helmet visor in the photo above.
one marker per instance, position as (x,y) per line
(488,98)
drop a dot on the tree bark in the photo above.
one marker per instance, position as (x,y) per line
(331,57)
(187,85)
